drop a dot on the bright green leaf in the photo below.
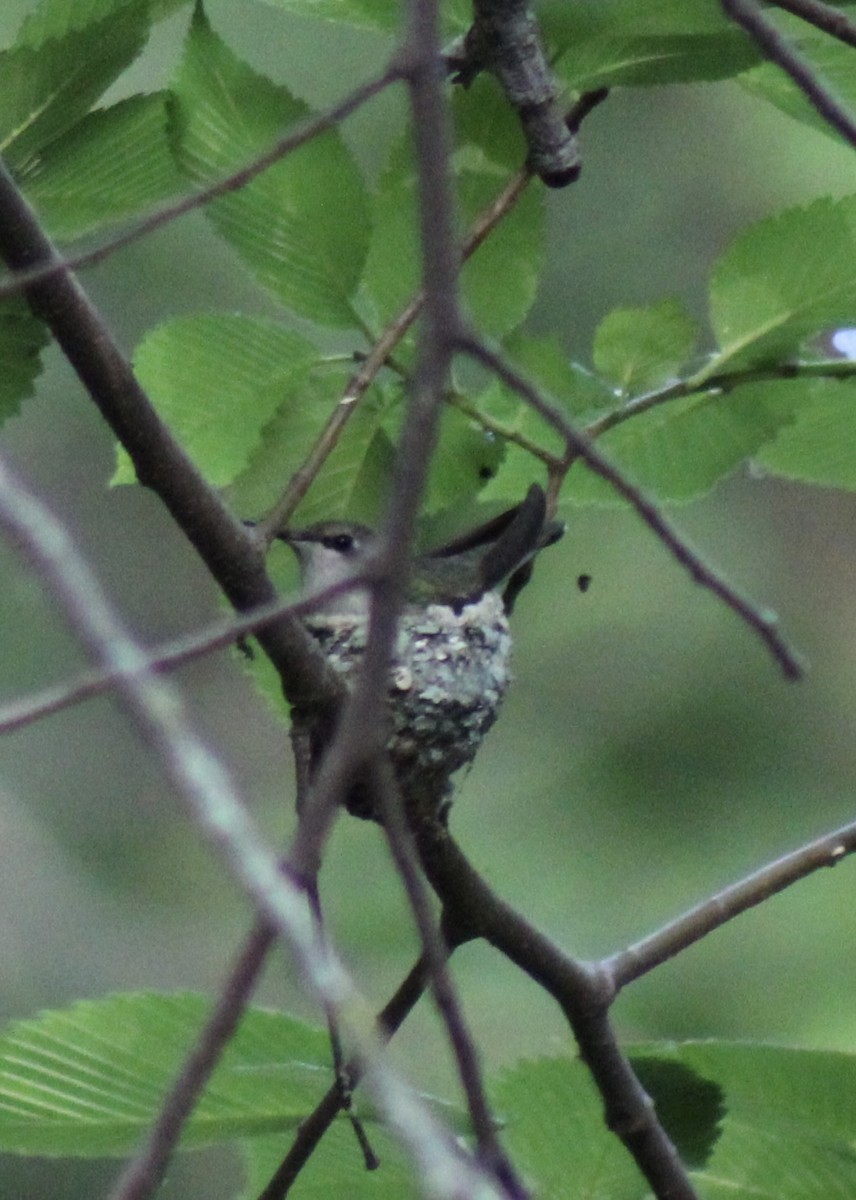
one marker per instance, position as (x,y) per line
(52,19)
(783,280)
(217,380)
(659,42)
(22,339)
(789,1124)
(500,280)
(384,15)
(364,14)
(352,481)
(465,458)
(44,92)
(89,1080)
(829,59)
(750,1122)
(819,445)
(553,1126)
(302,226)
(116,162)
(639,349)
(678,451)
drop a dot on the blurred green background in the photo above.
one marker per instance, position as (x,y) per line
(649,752)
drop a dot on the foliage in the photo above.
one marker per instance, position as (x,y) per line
(676,408)
(749,1120)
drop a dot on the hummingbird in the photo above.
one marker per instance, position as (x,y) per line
(451,661)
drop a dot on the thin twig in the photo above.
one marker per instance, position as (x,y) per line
(435,955)
(703,383)
(678,935)
(284,146)
(144,1173)
(381,350)
(513,436)
(168,657)
(216,809)
(361,730)
(579,445)
(232,554)
(311,1131)
(775,47)
(823,16)
(583,991)
(377,357)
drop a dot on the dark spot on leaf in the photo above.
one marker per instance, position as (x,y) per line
(690,1108)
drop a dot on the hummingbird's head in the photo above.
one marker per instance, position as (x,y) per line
(329,553)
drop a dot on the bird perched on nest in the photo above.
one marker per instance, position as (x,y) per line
(451,662)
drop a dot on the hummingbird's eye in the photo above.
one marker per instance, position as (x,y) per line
(341,542)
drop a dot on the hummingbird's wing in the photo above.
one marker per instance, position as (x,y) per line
(503,547)
(488,532)
(520,539)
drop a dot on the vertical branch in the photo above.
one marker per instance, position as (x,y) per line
(362,727)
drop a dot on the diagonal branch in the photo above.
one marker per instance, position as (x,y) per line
(287,144)
(233,555)
(775,47)
(144,1174)
(824,17)
(678,935)
(584,993)
(207,791)
(580,446)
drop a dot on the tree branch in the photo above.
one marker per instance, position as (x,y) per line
(207,792)
(435,956)
(505,40)
(580,446)
(678,935)
(748,15)
(583,991)
(823,16)
(310,128)
(231,552)
(144,1173)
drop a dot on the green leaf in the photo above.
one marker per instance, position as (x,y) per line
(553,1127)
(22,339)
(500,280)
(679,450)
(639,349)
(465,458)
(89,1080)
(660,42)
(789,1127)
(353,479)
(751,1123)
(541,359)
(44,92)
(337,1168)
(818,445)
(386,15)
(783,280)
(116,162)
(572,390)
(828,58)
(364,14)
(217,380)
(52,19)
(303,225)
